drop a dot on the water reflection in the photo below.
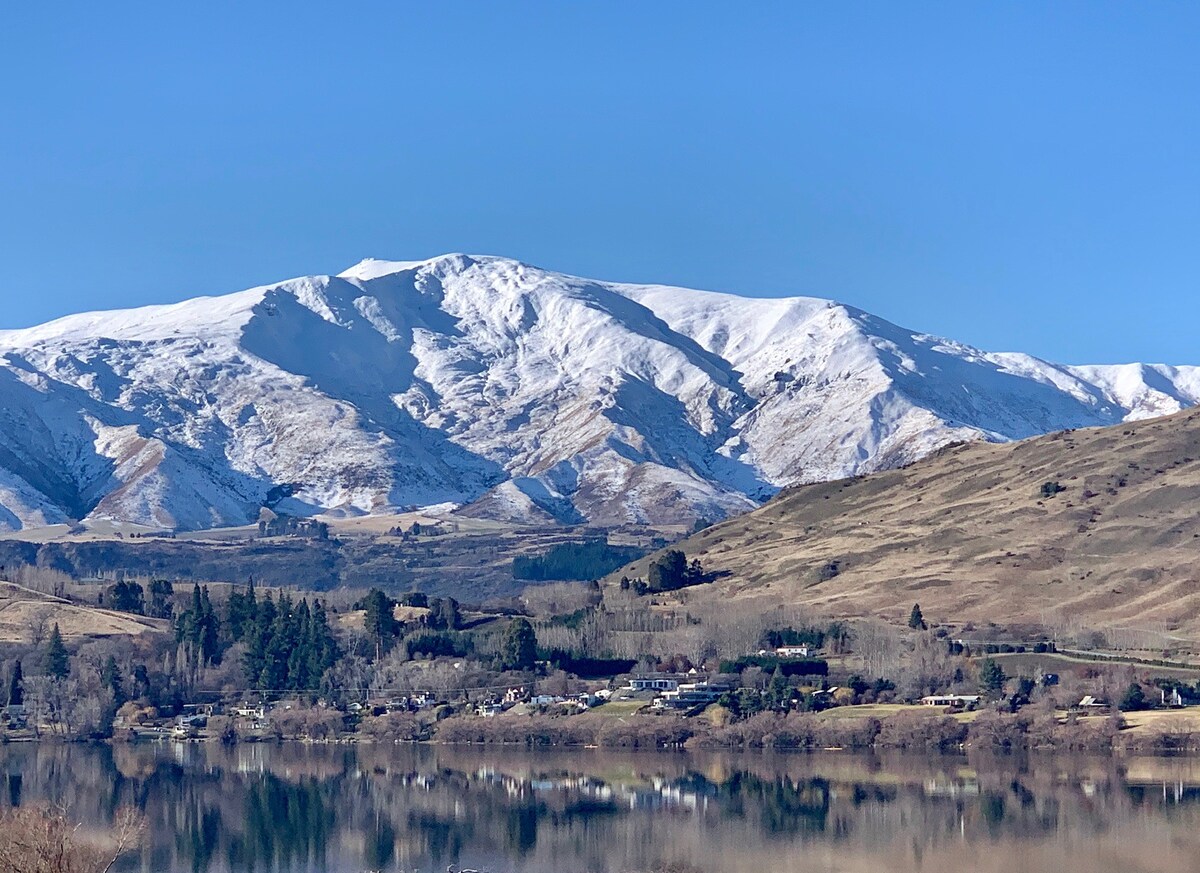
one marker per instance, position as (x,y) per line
(265,808)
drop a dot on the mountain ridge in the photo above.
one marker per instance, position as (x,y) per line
(511,391)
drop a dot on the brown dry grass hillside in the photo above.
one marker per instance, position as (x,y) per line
(968,535)
(26,616)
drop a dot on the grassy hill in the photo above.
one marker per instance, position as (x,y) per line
(975,534)
(24,612)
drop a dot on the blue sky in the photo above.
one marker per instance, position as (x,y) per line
(1021,176)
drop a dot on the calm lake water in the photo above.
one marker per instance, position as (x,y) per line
(351,809)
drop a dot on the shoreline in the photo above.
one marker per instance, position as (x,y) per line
(1166,734)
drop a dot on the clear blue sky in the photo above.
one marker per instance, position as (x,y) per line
(1021,176)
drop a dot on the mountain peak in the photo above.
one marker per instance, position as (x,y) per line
(374,268)
(525,393)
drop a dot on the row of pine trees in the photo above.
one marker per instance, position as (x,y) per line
(288,646)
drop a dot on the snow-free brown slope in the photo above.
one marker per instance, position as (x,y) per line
(968,535)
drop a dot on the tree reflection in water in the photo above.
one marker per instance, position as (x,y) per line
(270,809)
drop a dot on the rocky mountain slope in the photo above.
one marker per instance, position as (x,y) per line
(517,393)
(981,533)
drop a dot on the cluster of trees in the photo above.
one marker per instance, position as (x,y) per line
(287,646)
(290,526)
(788,666)
(578,562)
(776,697)
(1049,489)
(383,628)
(790,636)
(198,632)
(670,571)
(518,647)
(131,597)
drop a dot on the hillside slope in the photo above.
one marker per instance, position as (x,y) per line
(522,394)
(969,535)
(27,615)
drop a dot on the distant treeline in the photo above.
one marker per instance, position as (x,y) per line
(786,666)
(587,668)
(574,562)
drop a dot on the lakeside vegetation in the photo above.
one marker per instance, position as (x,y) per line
(554,666)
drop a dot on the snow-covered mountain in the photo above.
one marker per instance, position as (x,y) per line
(517,392)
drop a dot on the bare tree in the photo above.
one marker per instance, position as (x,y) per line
(41,839)
(39,626)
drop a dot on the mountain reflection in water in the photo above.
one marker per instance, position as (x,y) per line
(347,809)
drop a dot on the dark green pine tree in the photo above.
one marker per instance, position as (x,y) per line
(779,691)
(162,595)
(187,630)
(240,611)
(274,675)
(298,658)
(444,614)
(518,647)
(58,664)
(209,631)
(257,639)
(991,678)
(16,686)
(915,619)
(110,677)
(379,622)
(323,653)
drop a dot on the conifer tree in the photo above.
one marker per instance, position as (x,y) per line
(257,638)
(379,622)
(110,677)
(240,612)
(301,645)
(991,677)
(162,594)
(198,631)
(915,619)
(16,686)
(209,631)
(58,664)
(518,648)
(444,614)
(273,676)
(323,653)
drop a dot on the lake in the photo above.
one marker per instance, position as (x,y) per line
(348,809)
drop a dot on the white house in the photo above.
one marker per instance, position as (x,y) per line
(1172,699)
(653,683)
(792,651)
(691,694)
(954,701)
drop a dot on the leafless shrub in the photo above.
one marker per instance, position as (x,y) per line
(916,731)
(509,730)
(306,723)
(394,727)
(651,733)
(794,731)
(41,839)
